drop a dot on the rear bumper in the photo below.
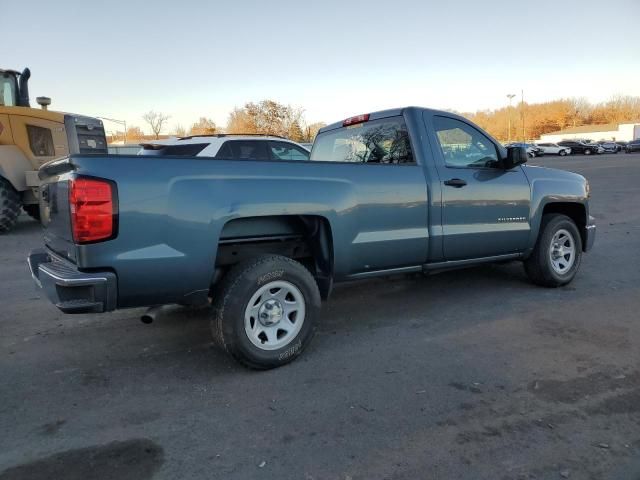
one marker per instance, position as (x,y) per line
(69,289)
(589,234)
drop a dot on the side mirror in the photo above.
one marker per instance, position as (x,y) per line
(515,156)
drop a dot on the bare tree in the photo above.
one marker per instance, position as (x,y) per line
(270,118)
(156,121)
(179,131)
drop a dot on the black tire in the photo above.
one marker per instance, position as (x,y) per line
(539,264)
(33,210)
(9,206)
(231,300)
(588,151)
(562,153)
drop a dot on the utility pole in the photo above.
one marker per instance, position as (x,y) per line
(510,97)
(524,136)
(121,122)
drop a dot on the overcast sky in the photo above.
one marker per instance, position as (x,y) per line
(333,58)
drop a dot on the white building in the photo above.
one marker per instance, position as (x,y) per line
(610,131)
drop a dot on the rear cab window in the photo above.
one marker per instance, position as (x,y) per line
(383,141)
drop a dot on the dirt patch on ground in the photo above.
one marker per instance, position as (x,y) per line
(576,389)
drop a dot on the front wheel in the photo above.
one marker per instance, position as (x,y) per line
(587,152)
(556,257)
(562,153)
(266,311)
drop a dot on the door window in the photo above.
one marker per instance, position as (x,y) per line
(463,146)
(287,151)
(244,150)
(7,91)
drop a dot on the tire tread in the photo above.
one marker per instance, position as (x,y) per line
(536,265)
(227,288)
(9,206)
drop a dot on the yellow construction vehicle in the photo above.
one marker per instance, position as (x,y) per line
(30,137)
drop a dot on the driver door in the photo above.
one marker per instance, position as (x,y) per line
(485,209)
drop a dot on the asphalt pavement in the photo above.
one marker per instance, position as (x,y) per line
(472,374)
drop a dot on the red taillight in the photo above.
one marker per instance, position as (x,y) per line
(357,119)
(92,209)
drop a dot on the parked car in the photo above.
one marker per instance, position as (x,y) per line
(633,146)
(609,147)
(230,146)
(554,149)
(396,191)
(580,147)
(621,145)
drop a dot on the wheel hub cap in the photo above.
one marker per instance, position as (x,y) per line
(562,251)
(274,315)
(270,313)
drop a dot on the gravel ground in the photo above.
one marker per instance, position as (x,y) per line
(472,374)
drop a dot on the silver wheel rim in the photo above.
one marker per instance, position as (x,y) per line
(562,251)
(274,315)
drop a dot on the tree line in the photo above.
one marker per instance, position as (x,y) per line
(530,120)
(265,117)
(518,122)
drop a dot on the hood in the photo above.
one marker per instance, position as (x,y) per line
(543,173)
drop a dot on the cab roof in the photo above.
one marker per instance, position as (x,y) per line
(392,112)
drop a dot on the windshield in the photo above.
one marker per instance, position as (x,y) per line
(8,91)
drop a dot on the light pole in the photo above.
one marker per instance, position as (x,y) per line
(510,97)
(121,122)
(524,134)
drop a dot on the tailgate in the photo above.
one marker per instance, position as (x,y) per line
(54,208)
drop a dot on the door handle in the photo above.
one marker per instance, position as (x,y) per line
(455,182)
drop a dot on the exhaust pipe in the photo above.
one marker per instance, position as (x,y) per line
(150,315)
(23,88)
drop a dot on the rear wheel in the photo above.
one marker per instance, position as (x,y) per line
(587,151)
(266,311)
(556,257)
(9,206)
(562,153)
(33,211)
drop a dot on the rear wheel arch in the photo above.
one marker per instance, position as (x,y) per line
(305,238)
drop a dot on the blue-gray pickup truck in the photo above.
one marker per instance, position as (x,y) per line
(403,190)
